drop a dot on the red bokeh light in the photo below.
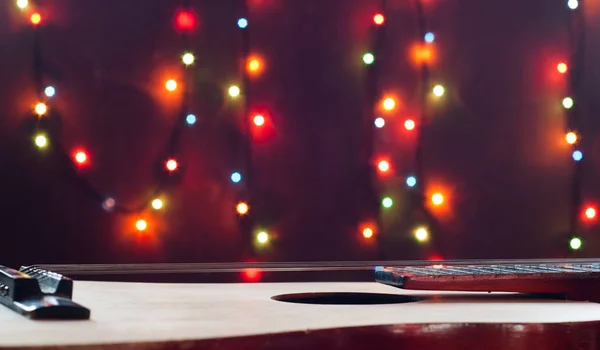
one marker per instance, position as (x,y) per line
(562,68)
(409,124)
(252,275)
(590,213)
(378,19)
(80,157)
(171,165)
(185,21)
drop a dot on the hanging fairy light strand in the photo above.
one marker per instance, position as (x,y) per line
(581,213)
(45,138)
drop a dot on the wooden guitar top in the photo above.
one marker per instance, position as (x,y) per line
(151,315)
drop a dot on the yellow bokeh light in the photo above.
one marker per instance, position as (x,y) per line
(157,204)
(22,4)
(188,59)
(41,141)
(171,85)
(421,234)
(571,138)
(234,91)
(368,232)
(41,109)
(262,237)
(438,91)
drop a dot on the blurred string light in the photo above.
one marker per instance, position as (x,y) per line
(389,104)
(368,58)
(379,122)
(242,23)
(379,19)
(577,155)
(568,103)
(49,91)
(185,20)
(421,234)
(438,91)
(575,243)
(368,232)
(242,208)
(258,120)
(262,237)
(409,124)
(411,181)
(387,202)
(562,68)
(571,138)
(236,177)
(190,119)
(22,4)
(573,4)
(429,37)
(437,199)
(234,91)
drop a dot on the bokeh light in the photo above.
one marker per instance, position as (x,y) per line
(429,37)
(562,68)
(573,4)
(378,19)
(575,243)
(438,91)
(188,58)
(387,202)
(80,157)
(383,166)
(171,165)
(421,234)
(437,199)
(234,91)
(242,208)
(368,232)
(568,103)
(258,120)
(41,109)
(22,4)
(157,204)
(577,156)
(411,181)
(262,237)
(590,213)
(190,119)
(389,104)
(41,141)
(35,18)
(255,65)
(236,177)
(171,85)
(368,58)
(409,124)
(141,225)
(49,91)
(571,138)
(379,122)
(242,23)
(185,21)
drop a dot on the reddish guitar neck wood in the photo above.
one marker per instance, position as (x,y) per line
(575,281)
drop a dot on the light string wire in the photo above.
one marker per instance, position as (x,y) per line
(247,221)
(576,22)
(372,95)
(45,122)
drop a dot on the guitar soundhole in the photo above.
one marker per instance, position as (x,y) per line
(345,298)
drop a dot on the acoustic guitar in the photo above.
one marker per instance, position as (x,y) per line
(530,304)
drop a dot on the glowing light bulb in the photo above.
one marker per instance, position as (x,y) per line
(411,181)
(188,58)
(378,19)
(22,4)
(562,68)
(262,237)
(383,166)
(41,141)
(108,204)
(157,204)
(80,157)
(571,138)
(171,165)
(437,199)
(575,243)
(242,208)
(234,91)
(438,91)
(49,91)
(387,202)
(259,120)
(171,85)
(190,119)
(429,37)
(41,109)
(409,124)
(242,23)
(236,177)
(379,122)
(567,102)
(35,18)
(389,104)
(141,225)
(368,232)
(368,58)
(421,234)
(573,4)
(590,213)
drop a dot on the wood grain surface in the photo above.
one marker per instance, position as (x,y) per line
(150,315)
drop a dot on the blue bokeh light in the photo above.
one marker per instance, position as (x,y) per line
(190,119)
(236,177)
(577,156)
(411,181)
(242,23)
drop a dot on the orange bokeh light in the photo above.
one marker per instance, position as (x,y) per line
(383,166)
(409,124)
(571,138)
(242,208)
(368,232)
(141,225)
(422,54)
(255,65)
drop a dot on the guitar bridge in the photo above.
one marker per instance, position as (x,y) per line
(39,294)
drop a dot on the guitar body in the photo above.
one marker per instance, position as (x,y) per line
(342,315)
